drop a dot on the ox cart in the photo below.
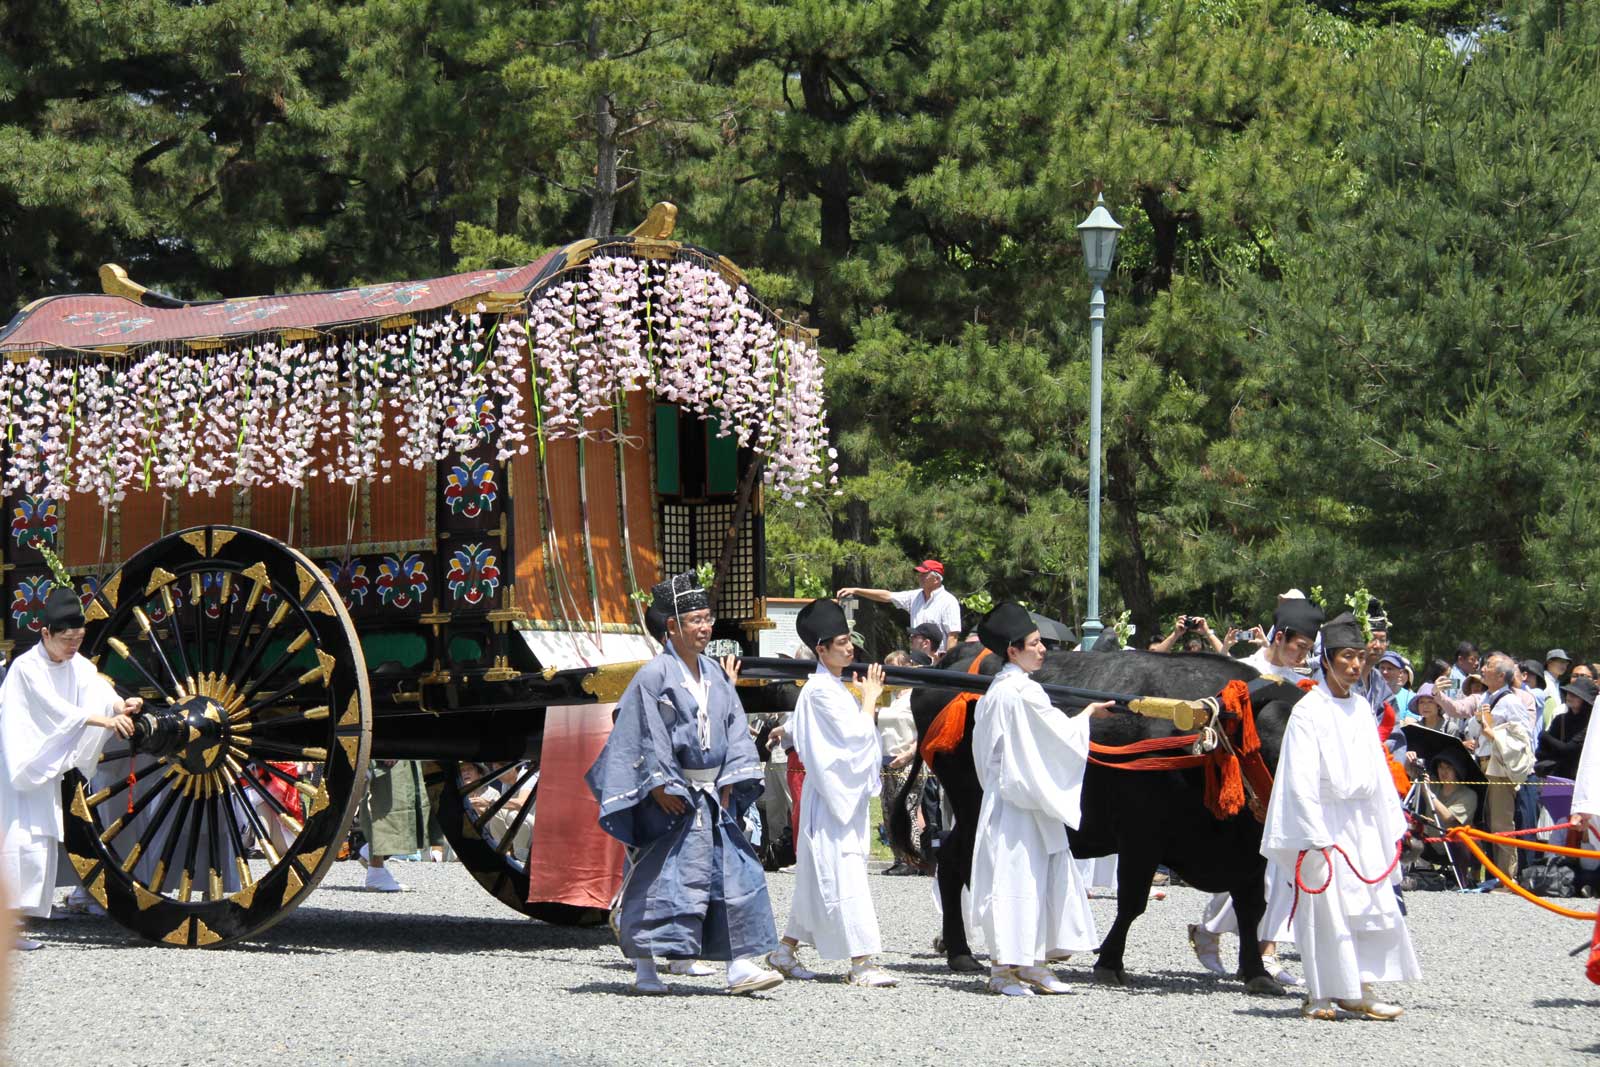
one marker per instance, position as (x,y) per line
(399,522)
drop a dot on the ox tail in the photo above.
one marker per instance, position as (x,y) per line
(900,835)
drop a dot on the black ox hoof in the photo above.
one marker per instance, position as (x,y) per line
(1264,985)
(965,964)
(1108,976)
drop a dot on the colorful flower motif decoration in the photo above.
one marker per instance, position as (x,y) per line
(350,579)
(402,582)
(27,602)
(474,574)
(211,593)
(34,521)
(88,586)
(470,491)
(239,312)
(347,409)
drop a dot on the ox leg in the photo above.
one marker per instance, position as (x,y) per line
(1135,872)
(954,871)
(1250,904)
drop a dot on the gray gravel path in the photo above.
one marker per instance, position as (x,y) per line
(446,975)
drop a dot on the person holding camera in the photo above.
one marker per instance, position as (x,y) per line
(56,715)
(1191,633)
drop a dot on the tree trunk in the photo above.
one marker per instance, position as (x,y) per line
(1132,567)
(603,198)
(853,522)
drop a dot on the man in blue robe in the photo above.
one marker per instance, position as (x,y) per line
(673,781)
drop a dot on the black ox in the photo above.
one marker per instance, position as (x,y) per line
(1145,818)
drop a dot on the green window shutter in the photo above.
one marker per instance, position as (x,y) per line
(722,461)
(669,480)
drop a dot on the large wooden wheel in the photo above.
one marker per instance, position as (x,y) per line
(256,737)
(486,811)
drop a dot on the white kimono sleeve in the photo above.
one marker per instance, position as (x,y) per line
(1043,754)
(1294,811)
(43,735)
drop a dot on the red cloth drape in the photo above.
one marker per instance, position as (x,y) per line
(571,860)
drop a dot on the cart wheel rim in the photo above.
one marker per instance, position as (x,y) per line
(252,674)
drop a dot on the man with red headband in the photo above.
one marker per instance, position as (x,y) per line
(930,602)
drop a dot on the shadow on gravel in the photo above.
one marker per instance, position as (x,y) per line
(1565,1002)
(623,987)
(311,930)
(330,929)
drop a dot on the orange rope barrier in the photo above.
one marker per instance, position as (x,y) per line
(1466,836)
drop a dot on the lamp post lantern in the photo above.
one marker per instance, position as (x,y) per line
(1099,233)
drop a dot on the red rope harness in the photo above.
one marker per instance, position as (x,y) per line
(1228,766)
(1301,887)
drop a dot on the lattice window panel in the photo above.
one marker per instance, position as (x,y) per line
(691,534)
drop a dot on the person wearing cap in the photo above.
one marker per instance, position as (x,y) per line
(1333,788)
(673,783)
(1396,673)
(931,602)
(929,639)
(1556,665)
(1561,744)
(56,715)
(837,738)
(1026,895)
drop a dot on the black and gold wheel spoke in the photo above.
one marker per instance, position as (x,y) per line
(197,615)
(147,838)
(259,585)
(122,785)
(284,750)
(175,627)
(174,836)
(505,844)
(153,637)
(192,852)
(257,725)
(505,798)
(133,812)
(213,848)
(263,836)
(122,650)
(224,622)
(290,819)
(300,785)
(241,861)
(113,754)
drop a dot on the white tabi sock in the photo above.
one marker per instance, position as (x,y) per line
(741,969)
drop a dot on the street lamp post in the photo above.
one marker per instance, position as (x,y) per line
(1099,233)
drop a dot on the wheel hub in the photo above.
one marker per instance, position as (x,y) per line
(193,732)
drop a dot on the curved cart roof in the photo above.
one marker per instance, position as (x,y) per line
(131,388)
(127,314)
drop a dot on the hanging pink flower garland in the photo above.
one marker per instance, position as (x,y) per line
(348,410)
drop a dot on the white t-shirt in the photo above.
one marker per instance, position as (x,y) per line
(942,608)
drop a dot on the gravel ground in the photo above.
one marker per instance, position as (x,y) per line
(446,975)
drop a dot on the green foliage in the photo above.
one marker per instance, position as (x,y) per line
(1349,335)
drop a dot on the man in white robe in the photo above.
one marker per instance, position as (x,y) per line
(837,740)
(1295,624)
(1586,809)
(56,715)
(1333,788)
(1026,893)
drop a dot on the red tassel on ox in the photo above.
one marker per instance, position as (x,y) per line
(944,734)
